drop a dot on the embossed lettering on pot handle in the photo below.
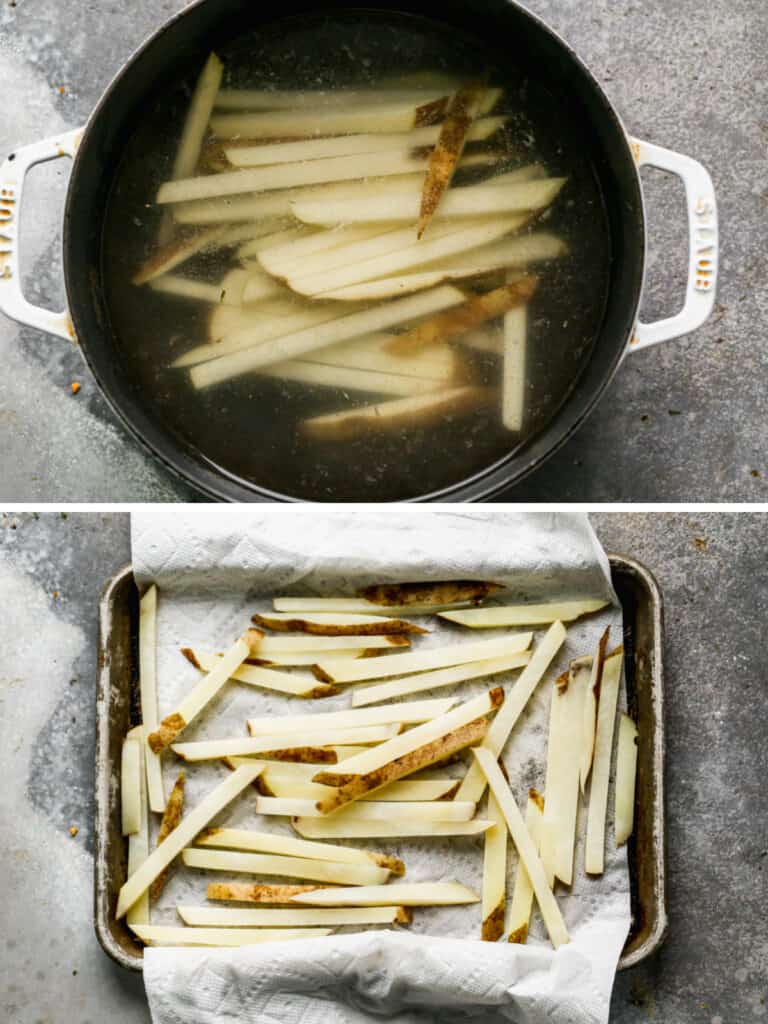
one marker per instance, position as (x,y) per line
(702,245)
(12,175)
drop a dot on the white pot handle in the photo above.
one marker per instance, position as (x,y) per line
(12,175)
(702,245)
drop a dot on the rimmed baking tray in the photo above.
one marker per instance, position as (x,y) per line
(117,709)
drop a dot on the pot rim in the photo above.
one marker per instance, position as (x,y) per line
(481,486)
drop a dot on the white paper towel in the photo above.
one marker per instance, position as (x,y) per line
(215,567)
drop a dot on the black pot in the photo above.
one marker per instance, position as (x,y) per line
(183,43)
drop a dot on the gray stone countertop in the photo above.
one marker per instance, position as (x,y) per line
(682,421)
(713,968)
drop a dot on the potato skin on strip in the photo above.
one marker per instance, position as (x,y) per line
(449,592)
(493,925)
(245,893)
(299,625)
(171,818)
(170,728)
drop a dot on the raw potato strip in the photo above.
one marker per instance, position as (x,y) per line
(290,846)
(282,259)
(330,624)
(437,365)
(412,740)
(186,288)
(449,240)
(417,894)
(284,917)
(281,644)
(340,826)
(558,831)
(288,99)
(472,313)
(522,894)
(263,746)
(291,867)
(405,284)
(198,116)
(170,819)
(174,254)
(594,857)
(372,810)
(550,911)
(349,145)
(440,677)
(626,773)
(242,892)
(257,245)
(131,782)
(309,658)
(254,205)
(482,200)
(381,118)
(357,604)
(168,935)
(590,712)
(403,714)
(275,784)
(205,691)
(353,325)
(138,843)
(425,659)
(473,786)
(514,368)
(524,614)
(424,595)
(284,176)
(462,109)
(183,834)
(494,873)
(148,694)
(255,675)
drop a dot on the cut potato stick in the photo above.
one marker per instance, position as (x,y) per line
(294,175)
(494,874)
(334,624)
(522,894)
(138,843)
(340,826)
(198,115)
(514,367)
(281,644)
(291,867)
(255,675)
(130,786)
(590,711)
(558,830)
(412,790)
(449,240)
(471,313)
(473,786)
(291,99)
(406,713)
(167,935)
(524,614)
(353,325)
(470,201)
(358,604)
(429,595)
(257,245)
(310,657)
(349,145)
(205,691)
(550,911)
(255,205)
(282,259)
(285,917)
(626,773)
(349,787)
(171,818)
(462,109)
(183,834)
(380,118)
(290,846)
(424,659)
(148,695)
(243,892)
(417,894)
(371,810)
(413,739)
(264,746)
(594,856)
(405,284)
(174,254)
(437,366)
(186,288)
(440,677)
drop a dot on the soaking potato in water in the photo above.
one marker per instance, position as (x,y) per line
(349,282)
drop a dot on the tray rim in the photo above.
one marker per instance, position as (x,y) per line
(618,562)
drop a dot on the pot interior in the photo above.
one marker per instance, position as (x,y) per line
(242,438)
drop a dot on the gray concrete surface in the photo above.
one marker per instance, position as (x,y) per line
(711,568)
(685,421)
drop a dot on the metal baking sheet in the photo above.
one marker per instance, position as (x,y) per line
(117,709)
